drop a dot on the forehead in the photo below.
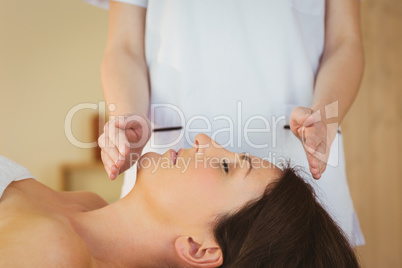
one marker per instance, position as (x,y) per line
(262,163)
(264,171)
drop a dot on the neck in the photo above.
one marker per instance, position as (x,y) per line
(124,234)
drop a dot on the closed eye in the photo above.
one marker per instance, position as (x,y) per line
(225,166)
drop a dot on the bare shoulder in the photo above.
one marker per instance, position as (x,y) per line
(22,193)
(39,241)
(88,200)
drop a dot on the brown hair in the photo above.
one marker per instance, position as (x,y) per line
(286,227)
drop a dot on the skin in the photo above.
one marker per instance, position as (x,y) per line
(167,215)
(34,226)
(338,81)
(125,81)
(126,84)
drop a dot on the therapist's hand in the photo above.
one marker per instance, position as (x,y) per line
(316,138)
(122,142)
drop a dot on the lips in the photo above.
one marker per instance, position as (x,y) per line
(173,156)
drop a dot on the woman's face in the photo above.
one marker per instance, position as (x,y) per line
(201,183)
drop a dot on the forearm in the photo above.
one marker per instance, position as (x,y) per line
(125,82)
(339,78)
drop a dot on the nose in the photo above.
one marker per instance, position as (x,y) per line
(203,142)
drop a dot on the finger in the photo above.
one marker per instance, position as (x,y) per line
(119,142)
(132,121)
(123,144)
(322,164)
(112,175)
(108,163)
(317,167)
(125,135)
(321,153)
(300,131)
(308,132)
(314,171)
(119,123)
(107,171)
(114,156)
(317,177)
(101,141)
(299,114)
(317,173)
(111,168)
(313,163)
(323,167)
(313,166)
(113,137)
(310,120)
(297,118)
(138,131)
(116,139)
(309,148)
(311,143)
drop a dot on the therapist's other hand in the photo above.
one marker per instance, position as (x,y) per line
(122,142)
(316,138)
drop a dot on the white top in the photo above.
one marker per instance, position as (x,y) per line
(11,171)
(227,67)
(265,53)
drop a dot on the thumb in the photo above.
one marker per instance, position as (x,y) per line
(299,115)
(315,116)
(132,121)
(137,129)
(309,120)
(120,122)
(298,119)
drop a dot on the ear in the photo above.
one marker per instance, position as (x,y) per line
(207,254)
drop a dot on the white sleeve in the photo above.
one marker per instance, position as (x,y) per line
(105,3)
(11,171)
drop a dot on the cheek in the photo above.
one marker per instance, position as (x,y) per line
(197,186)
(193,196)
(211,193)
(190,197)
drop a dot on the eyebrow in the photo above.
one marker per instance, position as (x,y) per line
(244,156)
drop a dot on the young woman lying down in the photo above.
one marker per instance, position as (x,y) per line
(208,208)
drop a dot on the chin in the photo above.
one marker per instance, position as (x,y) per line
(147,161)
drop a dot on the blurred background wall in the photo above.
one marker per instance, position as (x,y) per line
(50,55)
(373,133)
